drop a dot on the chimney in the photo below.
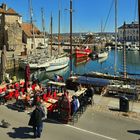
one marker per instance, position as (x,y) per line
(4,6)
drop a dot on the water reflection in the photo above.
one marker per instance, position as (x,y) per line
(43,75)
(106,66)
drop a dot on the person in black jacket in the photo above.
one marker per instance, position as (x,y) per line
(36,121)
(90,94)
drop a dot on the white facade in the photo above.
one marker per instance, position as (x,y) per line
(131,33)
(30,44)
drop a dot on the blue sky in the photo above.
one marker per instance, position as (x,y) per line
(87,15)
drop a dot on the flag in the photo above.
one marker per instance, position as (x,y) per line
(58,78)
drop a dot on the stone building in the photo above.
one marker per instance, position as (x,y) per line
(11,32)
(32,37)
(17,35)
(131,33)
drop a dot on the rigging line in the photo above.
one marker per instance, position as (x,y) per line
(108,15)
(135,10)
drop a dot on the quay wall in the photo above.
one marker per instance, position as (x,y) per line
(12,63)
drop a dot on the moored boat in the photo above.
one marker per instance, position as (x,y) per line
(82,60)
(58,63)
(82,52)
(102,54)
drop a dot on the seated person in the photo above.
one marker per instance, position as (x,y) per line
(73,105)
(55,94)
(16,85)
(37,87)
(40,86)
(29,89)
(27,99)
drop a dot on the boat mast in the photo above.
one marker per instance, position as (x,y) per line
(51,33)
(70,37)
(124,50)
(115,59)
(139,21)
(31,21)
(43,24)
(59,29)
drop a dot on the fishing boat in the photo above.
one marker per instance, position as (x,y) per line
(82,52)
(82,60)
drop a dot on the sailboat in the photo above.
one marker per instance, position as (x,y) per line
(61,61)
(122,87)
(45,43)
(45,60)
(102,54)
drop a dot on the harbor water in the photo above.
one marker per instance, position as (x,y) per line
(103,65)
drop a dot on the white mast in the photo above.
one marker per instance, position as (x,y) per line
(31,21)
(59,12)
(115,59)
(71,37)
(43,26)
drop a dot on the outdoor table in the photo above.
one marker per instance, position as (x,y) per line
(80,92)
(21,97)
(59,94)
(47,104)
(51,100)
(10,90)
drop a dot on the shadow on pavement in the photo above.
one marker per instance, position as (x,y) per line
(114,109)
(14,107)
(134,131)
(21,132)
(49,120)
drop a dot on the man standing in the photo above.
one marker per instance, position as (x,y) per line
(36,120)
(89,94)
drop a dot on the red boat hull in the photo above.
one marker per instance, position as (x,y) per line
(82,52)
(81,60)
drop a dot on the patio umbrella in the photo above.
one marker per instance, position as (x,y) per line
(27,76)
(3,63)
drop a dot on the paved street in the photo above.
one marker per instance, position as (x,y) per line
(97,123)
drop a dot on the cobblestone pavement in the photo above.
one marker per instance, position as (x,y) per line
(111,105)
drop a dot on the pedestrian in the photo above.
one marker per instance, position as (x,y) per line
(36,120)
(44,111)
(74,105)
(90,94)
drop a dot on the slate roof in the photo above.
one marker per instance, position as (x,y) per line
(128,26)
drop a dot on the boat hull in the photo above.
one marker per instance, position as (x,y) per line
(58,64)
(102,55)
(82,52)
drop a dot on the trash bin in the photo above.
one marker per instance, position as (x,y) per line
(124,104)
